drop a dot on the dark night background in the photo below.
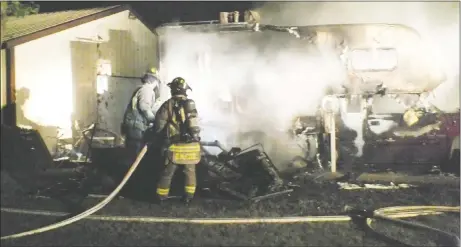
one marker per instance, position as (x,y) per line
(156,12)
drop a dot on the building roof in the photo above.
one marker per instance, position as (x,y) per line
(19,30)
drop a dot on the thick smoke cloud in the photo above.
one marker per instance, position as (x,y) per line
(274,77)
(270,77)
(437,22)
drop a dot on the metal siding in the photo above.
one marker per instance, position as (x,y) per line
(134,49)
(114,102)
(50,73)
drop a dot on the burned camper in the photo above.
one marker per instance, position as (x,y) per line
(289,83)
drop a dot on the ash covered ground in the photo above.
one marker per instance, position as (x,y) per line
(312,198)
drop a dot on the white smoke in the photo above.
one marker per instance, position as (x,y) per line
(273,77)
(276,76)
(437,22)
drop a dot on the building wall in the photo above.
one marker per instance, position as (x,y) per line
(114,102)
(56,75)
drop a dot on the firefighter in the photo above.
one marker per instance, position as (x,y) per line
(176,122)
(139,114)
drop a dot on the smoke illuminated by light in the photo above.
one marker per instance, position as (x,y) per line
(273,77)
(378,59)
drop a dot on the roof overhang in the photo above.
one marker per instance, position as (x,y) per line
(73,23)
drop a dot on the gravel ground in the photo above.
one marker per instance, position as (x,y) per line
(310,199)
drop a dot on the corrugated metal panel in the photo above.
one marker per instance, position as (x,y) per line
(131,48)
(114,102)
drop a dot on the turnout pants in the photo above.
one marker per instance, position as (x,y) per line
(163,187)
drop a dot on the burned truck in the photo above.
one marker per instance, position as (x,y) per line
(373,81)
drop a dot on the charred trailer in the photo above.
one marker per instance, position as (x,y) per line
(381,112)
(377,97)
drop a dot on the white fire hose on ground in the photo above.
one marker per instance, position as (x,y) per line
(390,214)
(88,212)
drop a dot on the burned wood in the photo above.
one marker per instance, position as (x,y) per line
(271,195)
(226,188)
(255,176)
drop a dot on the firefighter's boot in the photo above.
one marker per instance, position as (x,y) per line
(189,195)
(162,195)
(161,200)
(191,183)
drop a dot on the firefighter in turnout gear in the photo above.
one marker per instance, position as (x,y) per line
(176,122)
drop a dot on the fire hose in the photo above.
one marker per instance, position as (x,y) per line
(392,214)
(90,211)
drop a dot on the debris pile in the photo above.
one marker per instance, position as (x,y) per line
(245,174)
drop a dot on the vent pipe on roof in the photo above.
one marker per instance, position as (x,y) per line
(236,16)
(223,17)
